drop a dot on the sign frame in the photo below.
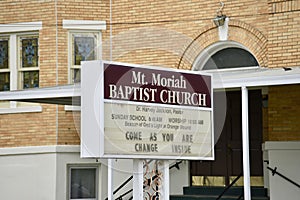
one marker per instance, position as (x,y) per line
(94,99)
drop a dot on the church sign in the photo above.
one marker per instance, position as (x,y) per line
(151,112)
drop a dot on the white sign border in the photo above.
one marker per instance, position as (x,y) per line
(95,68)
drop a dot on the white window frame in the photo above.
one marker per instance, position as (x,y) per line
(82,26)
(13,32)
(96,180)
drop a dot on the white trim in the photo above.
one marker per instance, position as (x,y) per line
(84,25)
(21,27)
(230,69)
(40,149)
(40,93)
(72,108)
(256,77)
(28,69)
(14,109)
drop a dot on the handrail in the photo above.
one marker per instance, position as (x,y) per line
(274,171)
(121,186)
(240,197)
(230,185)
(176,165)
(121,196)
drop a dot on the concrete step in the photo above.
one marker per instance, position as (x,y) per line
(210,197)
(212,193)
(217,190)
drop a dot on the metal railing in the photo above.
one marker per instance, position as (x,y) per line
(274,171)
(229,186)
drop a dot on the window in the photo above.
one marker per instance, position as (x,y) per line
(83,47)
(230,58)
(225,55)
(19,62)
(84,44)
(4,64)
(83,182)
(28,61)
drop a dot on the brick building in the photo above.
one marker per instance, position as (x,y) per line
(43,41)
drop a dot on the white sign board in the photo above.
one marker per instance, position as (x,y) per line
(145,112)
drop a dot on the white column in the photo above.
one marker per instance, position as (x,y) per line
(166,180)
(245,133)
(138,177)
(110,180)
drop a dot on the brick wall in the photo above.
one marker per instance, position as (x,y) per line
(283,33)
(53,125)
(28,129)
(184,24)
(32,128)
(283,113)
(168,33)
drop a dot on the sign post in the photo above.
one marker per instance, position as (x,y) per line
(110,195)
(146,113)
(138,179)
(166,191)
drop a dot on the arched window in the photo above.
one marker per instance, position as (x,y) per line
(225,55)
(230,58)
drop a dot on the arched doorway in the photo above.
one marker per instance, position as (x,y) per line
(223,56)
(228,148)
(230,57)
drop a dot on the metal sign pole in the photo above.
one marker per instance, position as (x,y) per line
(138,177)
(110,179)
(166,180)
